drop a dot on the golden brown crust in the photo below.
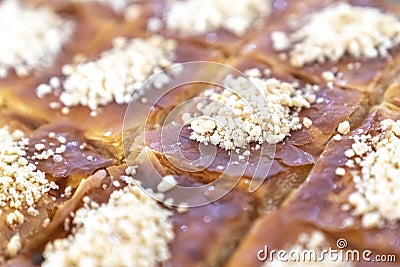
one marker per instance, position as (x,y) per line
(293,157)
(279,231)
(371,76)
(303,166)
(319,201)
(78,160)
(104,130)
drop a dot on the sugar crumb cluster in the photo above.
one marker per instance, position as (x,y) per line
(22,186)
(214,14)
(337,30)
(130,229)
(31,37)
(373,163)
(251,110)
(115,75)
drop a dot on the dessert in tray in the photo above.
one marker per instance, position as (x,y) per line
(282,135)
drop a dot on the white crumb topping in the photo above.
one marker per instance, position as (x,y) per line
(202,16)
(30,37)
(340,29)
(280,41)
(117,73)
(251,110)
(337,137)
(328,76)
(314,244)
(340,171)
(41,153)
(130,230)
(183,207)
(167,183)
(13,246)
(307,122)
(15,219)
(376,198)
(344,127)
(21,185)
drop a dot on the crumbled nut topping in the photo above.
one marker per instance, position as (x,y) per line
(315,243)
(328,76)
(13,246)
(182,207)
(130,230)
(251,110)
(340,171)
(307,122)
(117,74)
(53,151)
(337,137)
(344,127)
(211,15)
(22,185)
(167,183)
(15,219)
(46,222)
(280,41)
(340,29)
(376,197)
(31,37)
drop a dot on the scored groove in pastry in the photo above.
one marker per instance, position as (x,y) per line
(23,50)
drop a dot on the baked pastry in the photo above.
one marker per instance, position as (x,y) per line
(349,183)
(112,154)
(214,24)
(41,169)
(289,160)
(342,198)
(346,52)
(97,102)
(302,244)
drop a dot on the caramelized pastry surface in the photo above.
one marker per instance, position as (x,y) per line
(322,201)
(83,132)
(290,160)
(368,75)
